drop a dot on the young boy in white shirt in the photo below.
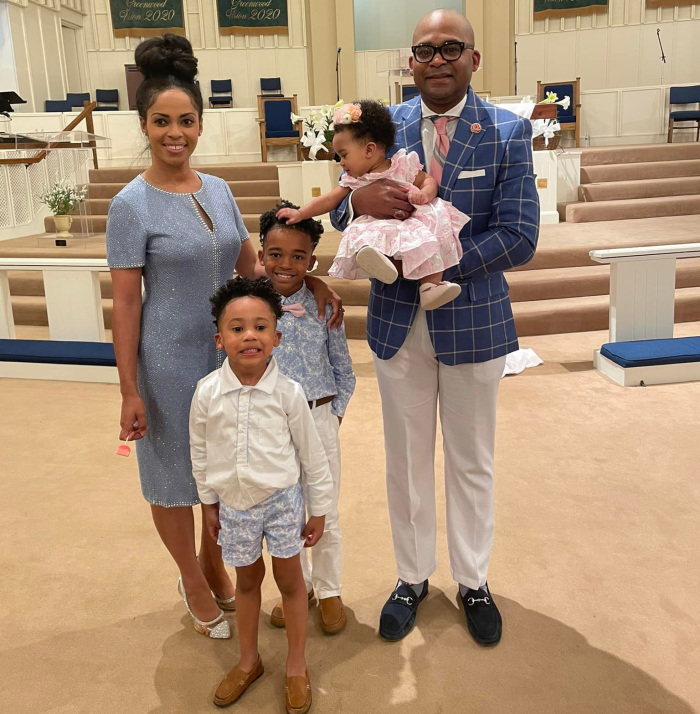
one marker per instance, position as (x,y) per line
(251,434)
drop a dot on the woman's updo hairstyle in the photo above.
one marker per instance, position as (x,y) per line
(166,63)
(375,124)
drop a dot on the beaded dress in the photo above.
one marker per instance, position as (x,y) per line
(183,265)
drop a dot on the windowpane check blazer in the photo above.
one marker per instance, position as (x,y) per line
(488,175)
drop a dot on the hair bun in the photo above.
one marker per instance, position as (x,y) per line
(170,55)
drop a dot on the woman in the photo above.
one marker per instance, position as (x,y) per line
(182,232)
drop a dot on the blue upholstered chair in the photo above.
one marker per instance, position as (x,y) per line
(276,126)
(107,100)
(57,105)
(570,119)
(78,99)
(404,92)
(271,87)
(222,93)
(684,95)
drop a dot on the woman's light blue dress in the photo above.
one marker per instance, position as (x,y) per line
(183,265)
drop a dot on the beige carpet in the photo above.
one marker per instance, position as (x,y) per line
(595,564)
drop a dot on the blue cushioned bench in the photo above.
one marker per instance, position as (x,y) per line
(644,362)
(58,359)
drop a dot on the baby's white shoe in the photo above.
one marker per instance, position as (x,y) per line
(432,296)
(376,264)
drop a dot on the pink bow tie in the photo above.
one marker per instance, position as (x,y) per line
(296,308)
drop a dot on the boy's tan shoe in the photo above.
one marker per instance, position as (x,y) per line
(235,683)
(277,614)
(298,694)
(333,617)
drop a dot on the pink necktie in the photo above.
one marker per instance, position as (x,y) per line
(296,308)
(442,146)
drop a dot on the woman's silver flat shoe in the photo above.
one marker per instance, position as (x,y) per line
(217,629)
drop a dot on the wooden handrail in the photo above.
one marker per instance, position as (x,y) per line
(86,114)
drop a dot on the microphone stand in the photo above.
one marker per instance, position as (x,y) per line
(337,75)
(663,56)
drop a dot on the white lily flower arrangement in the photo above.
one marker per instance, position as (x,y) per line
(318,129)
(63,197)
(547,128)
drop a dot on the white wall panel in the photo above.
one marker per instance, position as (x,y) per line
(623,55)
(623,41)
(600,118)
(641,112)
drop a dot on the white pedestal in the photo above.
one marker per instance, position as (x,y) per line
(7,322)
(74,305)
(300,182)
(568,176)
(545,163)
(642,295)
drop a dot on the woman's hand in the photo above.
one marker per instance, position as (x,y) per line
(325,296)
(291,215)
(133,417)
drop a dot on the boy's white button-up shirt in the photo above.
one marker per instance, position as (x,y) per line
(247,442)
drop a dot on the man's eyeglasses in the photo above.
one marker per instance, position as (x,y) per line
(449,51)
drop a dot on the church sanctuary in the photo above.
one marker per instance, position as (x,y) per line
(455,412)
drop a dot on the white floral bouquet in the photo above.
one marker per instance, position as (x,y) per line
(547,127)
(63,197)
(318,129)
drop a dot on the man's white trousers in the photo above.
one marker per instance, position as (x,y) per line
(413,384)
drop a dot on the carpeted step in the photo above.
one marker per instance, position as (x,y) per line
(238,188)
(30,283)
(647,188)
(228,172)
(638,153)
(632,208)
(98,223)
(640,171)
(352,292)
(246,204)
(582,314)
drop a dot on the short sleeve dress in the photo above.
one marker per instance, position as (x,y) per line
(426,243)
(183,265)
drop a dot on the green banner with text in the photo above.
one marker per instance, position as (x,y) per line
(252,17)
(568,8)
(146,18)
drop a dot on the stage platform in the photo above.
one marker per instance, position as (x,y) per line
(561,290)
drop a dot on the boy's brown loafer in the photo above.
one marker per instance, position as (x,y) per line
(277,614)
(235,683)
(333,617)
(298,694)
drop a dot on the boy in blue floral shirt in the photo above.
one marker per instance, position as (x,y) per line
(317,357)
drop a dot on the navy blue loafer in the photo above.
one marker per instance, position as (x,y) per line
(483,618)
(399,613)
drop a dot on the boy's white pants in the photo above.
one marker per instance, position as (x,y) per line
(413,385)
(321,564)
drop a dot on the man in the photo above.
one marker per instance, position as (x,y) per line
(452,357)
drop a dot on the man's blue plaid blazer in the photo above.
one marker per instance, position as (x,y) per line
(505,215)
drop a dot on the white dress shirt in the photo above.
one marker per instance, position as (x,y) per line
(427,128)
(247,442)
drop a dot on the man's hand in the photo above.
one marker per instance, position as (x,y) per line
(382,199)
(210,513)
(313,530)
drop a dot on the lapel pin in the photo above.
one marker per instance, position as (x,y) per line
(476,128)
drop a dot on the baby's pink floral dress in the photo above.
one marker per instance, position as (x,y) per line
(426,243)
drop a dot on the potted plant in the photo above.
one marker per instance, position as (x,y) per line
(546,133)
(317,141)
(62,198)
